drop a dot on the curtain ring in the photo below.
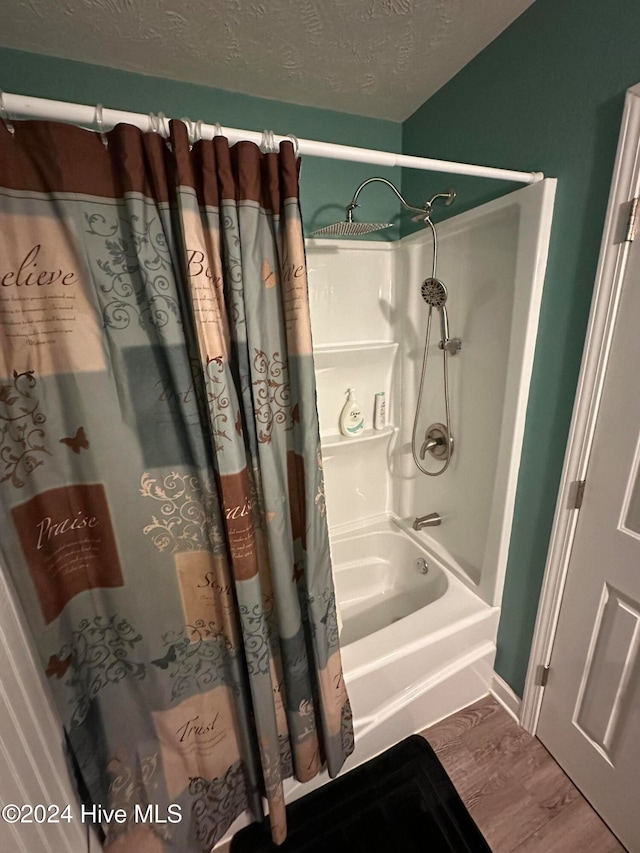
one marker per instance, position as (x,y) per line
(164,124)
(199,126)
(268,142)
(4,116)
(295,143)
(160,124)
(217,129)
(191,131)
(100,125)
(164,129)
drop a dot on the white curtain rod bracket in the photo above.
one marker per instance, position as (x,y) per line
(24,106)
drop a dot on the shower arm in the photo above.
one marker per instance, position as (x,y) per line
(425,211)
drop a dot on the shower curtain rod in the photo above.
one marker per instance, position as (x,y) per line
(24,106)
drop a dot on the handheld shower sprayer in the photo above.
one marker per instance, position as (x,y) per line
(434,294)
(438,440)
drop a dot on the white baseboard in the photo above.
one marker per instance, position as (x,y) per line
(506,697)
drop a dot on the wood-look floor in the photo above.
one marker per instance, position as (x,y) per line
(518,796)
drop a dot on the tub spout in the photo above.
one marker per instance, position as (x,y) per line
(431,520)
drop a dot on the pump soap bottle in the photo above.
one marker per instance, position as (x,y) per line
(351,417)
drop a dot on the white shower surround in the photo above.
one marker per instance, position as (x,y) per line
(493,260)
(369,322)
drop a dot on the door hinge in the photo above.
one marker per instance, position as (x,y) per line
(632,221)
(578,494)
(543,675)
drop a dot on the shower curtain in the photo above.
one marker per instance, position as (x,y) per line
(160,474)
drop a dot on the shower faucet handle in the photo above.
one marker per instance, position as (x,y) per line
(429,444)
(438,441)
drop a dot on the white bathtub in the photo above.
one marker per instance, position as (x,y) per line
(415,647)
(380,578)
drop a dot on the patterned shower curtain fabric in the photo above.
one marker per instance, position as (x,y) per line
(160,474)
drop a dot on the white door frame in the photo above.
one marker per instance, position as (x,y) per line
(614,251)
(35,768)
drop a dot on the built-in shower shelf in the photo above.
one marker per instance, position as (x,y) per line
(365,366)
(328,353)
(337,440)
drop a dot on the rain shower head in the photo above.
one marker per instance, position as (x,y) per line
(349,228)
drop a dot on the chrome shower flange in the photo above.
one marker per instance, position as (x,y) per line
(437,433)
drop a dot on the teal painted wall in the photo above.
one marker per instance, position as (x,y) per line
(326,185)
(546,95)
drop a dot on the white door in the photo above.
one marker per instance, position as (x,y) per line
(590,717)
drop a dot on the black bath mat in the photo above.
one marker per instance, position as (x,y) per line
(399,802)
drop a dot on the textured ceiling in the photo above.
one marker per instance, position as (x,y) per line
(379,58)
